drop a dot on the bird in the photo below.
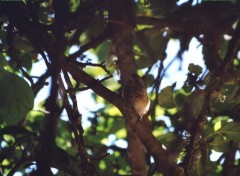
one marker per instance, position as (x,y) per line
(135,95)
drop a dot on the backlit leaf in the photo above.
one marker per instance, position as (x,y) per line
(165,97)
(220,139)
(16,98)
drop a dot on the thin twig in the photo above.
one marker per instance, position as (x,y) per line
(12,52)
(73,115)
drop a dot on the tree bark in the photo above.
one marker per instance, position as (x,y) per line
(122,29)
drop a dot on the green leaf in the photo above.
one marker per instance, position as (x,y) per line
(231,130)
(96,27)
(74,5)
(27,59)
(16,98)
(158,42)
(165,97)
(180,98)
(187,88)
(144,61)
(195,69)
(149,80)
(23,44)
(167,139)
(220,139)
(219,144)
(102,50)
(3,61)
(2,64)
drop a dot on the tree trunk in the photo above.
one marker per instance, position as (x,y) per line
(122,26)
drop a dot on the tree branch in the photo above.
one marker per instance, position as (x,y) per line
(95,85)
(164,161)
(214,84)
(92,44)
(87,163)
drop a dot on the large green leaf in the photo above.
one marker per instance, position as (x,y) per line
(231,130)
(165,97)
(16,98)
(157,41)
(103,50)
(220,139)
(219,144)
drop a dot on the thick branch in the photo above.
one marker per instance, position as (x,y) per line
(122,39)
(228,165)
(95,85)
(164,161)
(47,138)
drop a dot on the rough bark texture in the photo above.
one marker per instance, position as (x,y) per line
(122,12)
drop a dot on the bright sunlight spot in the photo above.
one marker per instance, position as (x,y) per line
(215,155)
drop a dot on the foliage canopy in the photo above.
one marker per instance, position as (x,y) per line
(188,122)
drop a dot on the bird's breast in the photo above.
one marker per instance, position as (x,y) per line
(141,105)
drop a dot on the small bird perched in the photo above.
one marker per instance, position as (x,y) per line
(135,95)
